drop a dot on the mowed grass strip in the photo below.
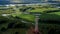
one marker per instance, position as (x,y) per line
(25,16)
(42,10)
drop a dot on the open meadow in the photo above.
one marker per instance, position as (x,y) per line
(19,19)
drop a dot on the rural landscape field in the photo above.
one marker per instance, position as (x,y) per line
(16,20)
(21,19)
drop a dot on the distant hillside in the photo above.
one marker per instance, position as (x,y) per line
(4,2)
(33,1)
(25,1)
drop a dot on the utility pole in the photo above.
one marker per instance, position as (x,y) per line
(36,24)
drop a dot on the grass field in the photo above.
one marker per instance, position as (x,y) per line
(43,27)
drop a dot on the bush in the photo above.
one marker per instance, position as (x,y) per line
(10,25)
(3,29)
(3,20)
(16,32)
(22,25)
(49,11)
(53,31)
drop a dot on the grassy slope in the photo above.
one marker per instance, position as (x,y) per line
(53,15)
(31,18)
(42,9)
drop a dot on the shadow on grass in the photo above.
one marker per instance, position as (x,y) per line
(50,18)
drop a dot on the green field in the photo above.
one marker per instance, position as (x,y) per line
(16,15)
